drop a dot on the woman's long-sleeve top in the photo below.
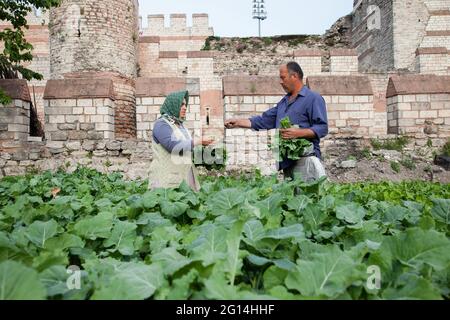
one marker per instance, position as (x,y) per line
(163,135)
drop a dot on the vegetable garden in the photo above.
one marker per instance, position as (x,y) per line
(248,237)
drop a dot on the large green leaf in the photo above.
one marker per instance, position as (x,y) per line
(328,273)
(441,210)
(122,238)
(55,280)
(291,232)
(413,287)
(253,230)
(314,217)
(18,282)
(95,227)
(217,288)
(351,213)
(128,281)
(39,232)
(173,209)
(225,201)
(415,248)
(234,259)
(271,205)
(65,241)
(211,245)
(171,260)
(299,203)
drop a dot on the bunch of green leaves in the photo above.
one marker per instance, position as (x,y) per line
(292,149)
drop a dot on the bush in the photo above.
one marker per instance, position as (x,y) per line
(446,149)
(408,163)
(395,166)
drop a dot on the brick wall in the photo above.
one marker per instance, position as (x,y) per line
(419,106)
(310,60)
(432,61)
(343,62)
(79,109)
(15,116)
(349,102)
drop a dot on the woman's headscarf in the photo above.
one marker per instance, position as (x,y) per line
(172,105)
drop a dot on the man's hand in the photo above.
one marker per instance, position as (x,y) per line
(294,133)
(238,123)
(203,142)
(291,133)
(231,124)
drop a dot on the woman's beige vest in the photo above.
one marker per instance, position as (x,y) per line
(168,170)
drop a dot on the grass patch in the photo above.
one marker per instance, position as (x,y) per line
(396,144)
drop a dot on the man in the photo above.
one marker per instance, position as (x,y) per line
(305,108)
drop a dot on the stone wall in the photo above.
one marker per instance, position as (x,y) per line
(79,109)
(151,93)
(15,116)
(310,60)
(409,25)
(432,61)
(343,62)
(419,106)
(179,36)
(98,39)
(131,157)
(373,34)
(95,35)
(349,102)
(388,33)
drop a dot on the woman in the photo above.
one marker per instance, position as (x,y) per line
(173,145)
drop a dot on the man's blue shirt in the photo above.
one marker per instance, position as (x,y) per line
(308,111)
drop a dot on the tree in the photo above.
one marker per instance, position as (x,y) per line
(17,49)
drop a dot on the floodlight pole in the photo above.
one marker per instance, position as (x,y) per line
(259,12)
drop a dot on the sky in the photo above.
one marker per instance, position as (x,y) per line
(234,17)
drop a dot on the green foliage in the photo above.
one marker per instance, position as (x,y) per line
(446,149)
(249,237)
(289,148)
(395,166)
(408,163)
(16,48)
(268,41)
(390,144)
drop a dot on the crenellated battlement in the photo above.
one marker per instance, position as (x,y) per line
(177,25)
(38,17)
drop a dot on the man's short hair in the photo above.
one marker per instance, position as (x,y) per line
(294,68)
